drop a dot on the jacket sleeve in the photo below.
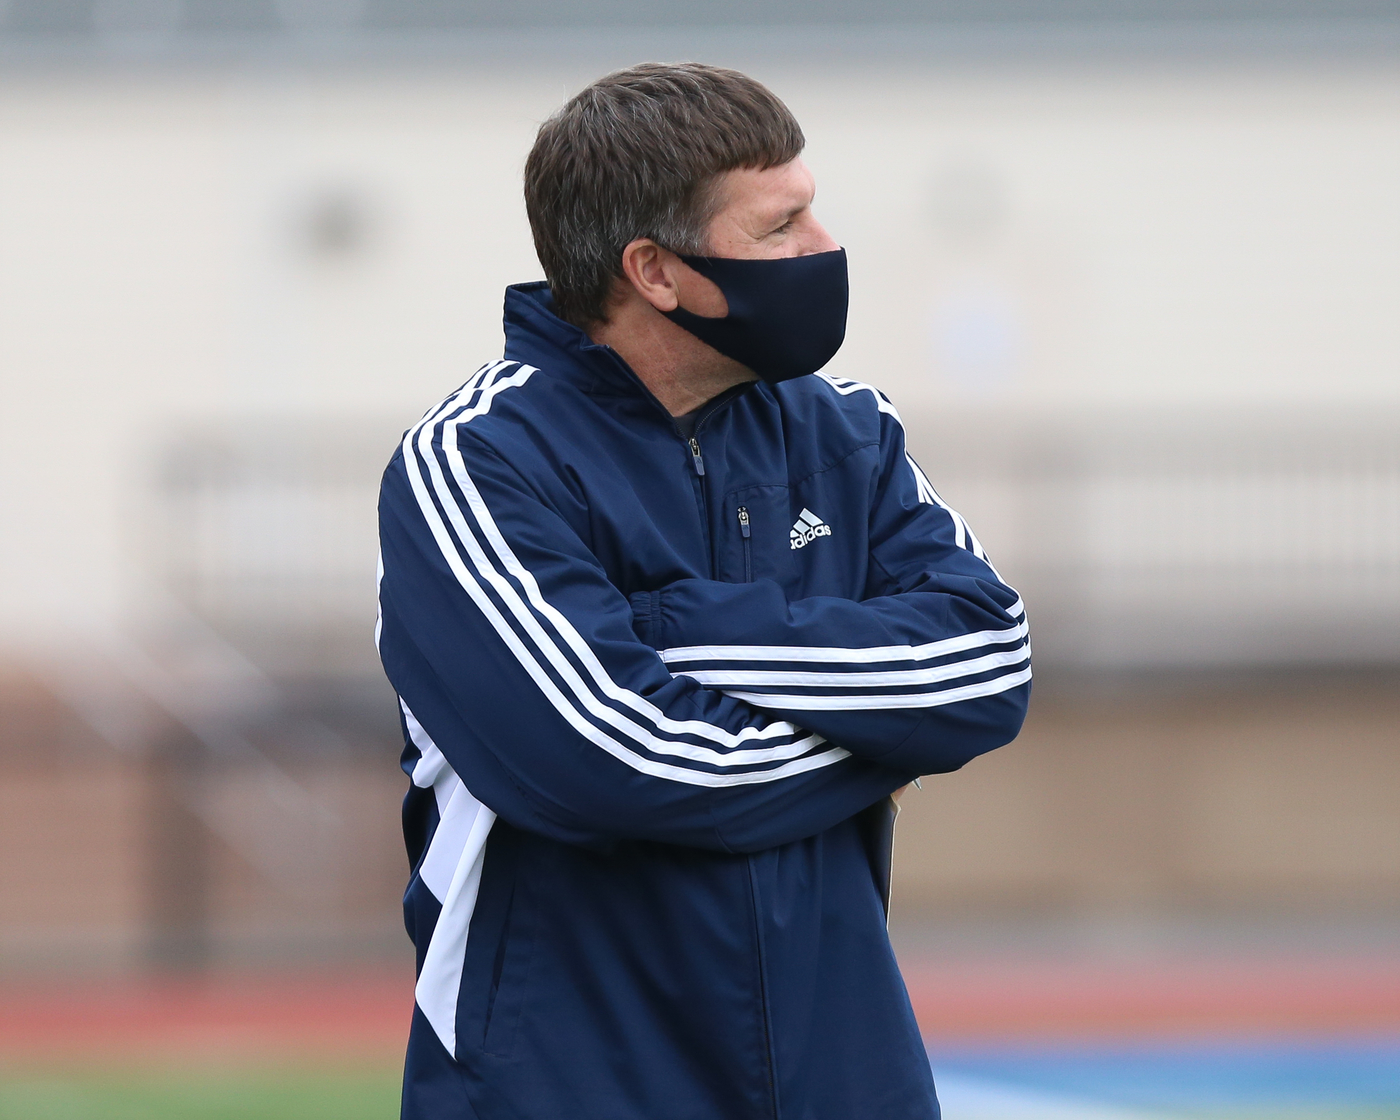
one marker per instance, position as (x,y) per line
(929,670)
(516,656)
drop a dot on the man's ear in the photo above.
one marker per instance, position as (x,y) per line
(651,271)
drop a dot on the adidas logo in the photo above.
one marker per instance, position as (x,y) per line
(807,528)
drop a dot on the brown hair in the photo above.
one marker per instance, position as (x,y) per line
(637,154)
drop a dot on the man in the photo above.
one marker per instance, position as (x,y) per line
(670,620)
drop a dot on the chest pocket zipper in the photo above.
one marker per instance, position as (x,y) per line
(744,533)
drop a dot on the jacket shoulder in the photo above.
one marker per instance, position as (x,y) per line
(858,411)
(504,405)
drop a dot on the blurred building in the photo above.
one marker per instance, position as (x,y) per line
(1131,272)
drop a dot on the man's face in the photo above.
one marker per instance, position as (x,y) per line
(767,214)
(761,214)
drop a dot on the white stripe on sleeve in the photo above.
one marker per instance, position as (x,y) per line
(819,702)
(939,674)
(846,655)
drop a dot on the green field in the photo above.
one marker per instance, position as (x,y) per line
(351,1095)
(236,1095)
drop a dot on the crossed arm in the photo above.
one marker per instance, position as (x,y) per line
(708,714)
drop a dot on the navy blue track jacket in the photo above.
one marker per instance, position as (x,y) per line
(656,693)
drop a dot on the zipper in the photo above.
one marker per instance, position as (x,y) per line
(698,462)
(695,456)
(748,545)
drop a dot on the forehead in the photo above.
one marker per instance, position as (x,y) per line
(770,192)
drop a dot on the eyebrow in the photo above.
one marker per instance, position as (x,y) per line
(787,215)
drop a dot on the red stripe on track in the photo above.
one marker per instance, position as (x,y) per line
(987,999)
(363,1017)
(225,1018)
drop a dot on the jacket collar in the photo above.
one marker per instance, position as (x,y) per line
(537,336)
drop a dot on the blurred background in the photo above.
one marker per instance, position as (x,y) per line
(1129,268)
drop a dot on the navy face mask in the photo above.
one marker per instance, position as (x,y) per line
(787,316)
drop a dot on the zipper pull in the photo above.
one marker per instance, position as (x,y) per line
(695,454)
(744,521)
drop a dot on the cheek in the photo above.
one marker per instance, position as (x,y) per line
(701,296)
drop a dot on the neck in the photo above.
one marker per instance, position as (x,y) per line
(680,371)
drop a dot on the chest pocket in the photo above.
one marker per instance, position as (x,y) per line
(755,539)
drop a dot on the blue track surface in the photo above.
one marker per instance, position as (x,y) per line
(1360,1072)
